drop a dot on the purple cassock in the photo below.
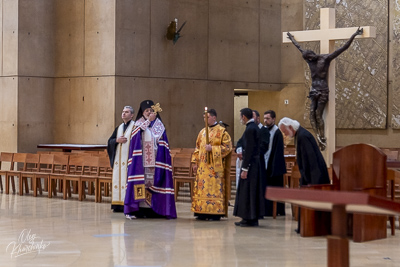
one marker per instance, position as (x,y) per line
(160,194)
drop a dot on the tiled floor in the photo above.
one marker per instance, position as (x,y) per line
(73,233)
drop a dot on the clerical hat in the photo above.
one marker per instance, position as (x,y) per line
(143,106)
(146,104)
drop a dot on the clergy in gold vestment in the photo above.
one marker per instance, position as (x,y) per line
(212,167)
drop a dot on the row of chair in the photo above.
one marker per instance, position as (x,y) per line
(50,167)
(53,169)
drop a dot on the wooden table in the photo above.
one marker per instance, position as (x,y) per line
(339,203)
(69,147)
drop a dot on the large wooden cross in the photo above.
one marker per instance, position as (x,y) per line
(327,36)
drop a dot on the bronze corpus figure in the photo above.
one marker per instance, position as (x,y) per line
(319,91)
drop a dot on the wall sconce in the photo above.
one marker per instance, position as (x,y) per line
(173,33)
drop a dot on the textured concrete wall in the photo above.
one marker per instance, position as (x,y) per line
(132,38)
(36,38)
(69,32)
(8,84)
(99,43)
(220,50)
(292,64)
(84,108)
(8,114)
(72,65)
(84,90)
(182,101)
(9,45)
(35,112)
(263,101)
(270,44)
(35,71)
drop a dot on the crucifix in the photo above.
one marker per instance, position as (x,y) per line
(326,36)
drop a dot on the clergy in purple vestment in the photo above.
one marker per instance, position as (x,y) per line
(150,189)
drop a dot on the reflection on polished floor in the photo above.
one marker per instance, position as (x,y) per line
(73,233)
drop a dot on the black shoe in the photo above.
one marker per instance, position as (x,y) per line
(240,223)
(297,231)
(117,208)
(214,218)
(249,223)
(202,217)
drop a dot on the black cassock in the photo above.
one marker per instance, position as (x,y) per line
(311,163)
(112,146)
(275,171)
(249,202)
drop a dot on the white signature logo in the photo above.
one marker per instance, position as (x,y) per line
(26,244)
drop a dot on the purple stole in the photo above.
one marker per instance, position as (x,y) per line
(160,196)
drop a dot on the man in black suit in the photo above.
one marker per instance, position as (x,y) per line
(249,204)
(275,166)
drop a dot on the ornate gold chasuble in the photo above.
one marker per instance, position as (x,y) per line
(212,178)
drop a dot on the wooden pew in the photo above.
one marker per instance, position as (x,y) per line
(361,168)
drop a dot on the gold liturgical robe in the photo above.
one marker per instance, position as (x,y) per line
(212,178)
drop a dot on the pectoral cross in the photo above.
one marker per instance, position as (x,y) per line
(156,108)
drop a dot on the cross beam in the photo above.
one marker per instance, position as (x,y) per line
(327,35)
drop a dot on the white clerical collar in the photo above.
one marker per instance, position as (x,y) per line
(211,126)
(251,120)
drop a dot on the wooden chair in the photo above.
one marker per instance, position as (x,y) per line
(91,175)
(290,150)
(60,164)
(31,166)
(174,151)
(43,152)
(45,168)
(60,169)
(182,173)
(183,165)
(18,158)
(232,176)
(75,164)
(104,179)
(76,169)
(105,168)
(290,161)
(5,159)
(186,151)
